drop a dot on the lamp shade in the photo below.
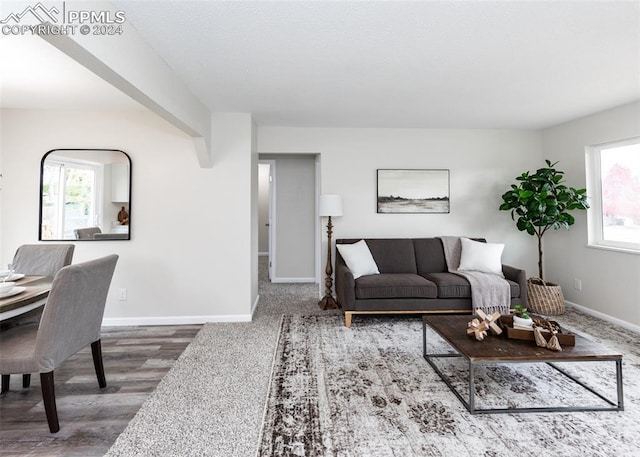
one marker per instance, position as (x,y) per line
(330,205)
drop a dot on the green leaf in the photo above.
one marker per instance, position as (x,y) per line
(522,224)
(541,201)
(525,194)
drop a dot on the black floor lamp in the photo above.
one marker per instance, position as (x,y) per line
(330,205)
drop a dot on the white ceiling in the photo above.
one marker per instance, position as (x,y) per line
(453,64)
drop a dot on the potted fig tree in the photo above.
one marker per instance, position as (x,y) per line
(539,202)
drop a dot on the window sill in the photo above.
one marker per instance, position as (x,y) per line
(614,248)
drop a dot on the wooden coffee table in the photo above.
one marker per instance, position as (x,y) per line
(501,350)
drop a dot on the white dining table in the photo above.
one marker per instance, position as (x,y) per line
(35,293)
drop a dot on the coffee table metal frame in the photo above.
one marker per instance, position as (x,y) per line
(617,405)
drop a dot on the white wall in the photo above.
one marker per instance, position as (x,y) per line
(483,164)
(252,197)
(610,280)
(191,252)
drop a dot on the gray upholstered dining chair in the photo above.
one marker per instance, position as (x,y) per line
(86,233)
(70,321)
(42,259)
(39,260)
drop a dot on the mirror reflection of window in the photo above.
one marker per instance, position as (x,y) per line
(69,198)
(84,194)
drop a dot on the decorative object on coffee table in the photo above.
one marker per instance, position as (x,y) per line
(521,317)
(563,335)
(538,203)
(541,325)
(330,205)
(479,328)
(491,320)
(538,338)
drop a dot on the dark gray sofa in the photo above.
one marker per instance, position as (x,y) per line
(413,279)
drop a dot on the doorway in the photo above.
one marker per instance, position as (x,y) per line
(266,207)
(287,222)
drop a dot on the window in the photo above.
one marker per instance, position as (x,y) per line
(613,181)
(69,199)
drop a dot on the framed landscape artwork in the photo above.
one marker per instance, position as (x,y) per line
(413,191)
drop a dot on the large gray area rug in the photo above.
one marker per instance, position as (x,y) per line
(212,402)
(367,391)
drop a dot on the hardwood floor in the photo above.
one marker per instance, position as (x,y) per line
(135,360)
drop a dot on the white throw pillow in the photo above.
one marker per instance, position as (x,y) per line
(358,258)
(478,256)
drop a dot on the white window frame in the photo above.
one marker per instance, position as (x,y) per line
(98,184)
(595,230)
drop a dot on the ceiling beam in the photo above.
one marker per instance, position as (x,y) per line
(128,63)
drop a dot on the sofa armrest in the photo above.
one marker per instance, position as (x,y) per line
(345,285)
(520,276)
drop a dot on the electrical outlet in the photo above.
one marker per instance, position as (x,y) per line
(577,284)
(122,294)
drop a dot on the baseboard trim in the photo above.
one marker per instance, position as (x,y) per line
(172,320)
(296,280)
(604,317)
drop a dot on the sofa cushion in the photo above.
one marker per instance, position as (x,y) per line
(393,255)
(429,255)
(395,286)
(484,257)
(358,258)
(450,285)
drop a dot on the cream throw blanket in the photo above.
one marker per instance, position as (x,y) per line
(489,292)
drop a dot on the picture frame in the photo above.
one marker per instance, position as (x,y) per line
(413,191)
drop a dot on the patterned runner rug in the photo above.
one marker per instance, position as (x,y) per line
(367,391)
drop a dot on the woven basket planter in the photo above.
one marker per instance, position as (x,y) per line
(544,297)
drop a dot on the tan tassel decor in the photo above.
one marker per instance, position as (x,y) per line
(554,344)
(540,341)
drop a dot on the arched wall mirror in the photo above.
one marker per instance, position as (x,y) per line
(85,195)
